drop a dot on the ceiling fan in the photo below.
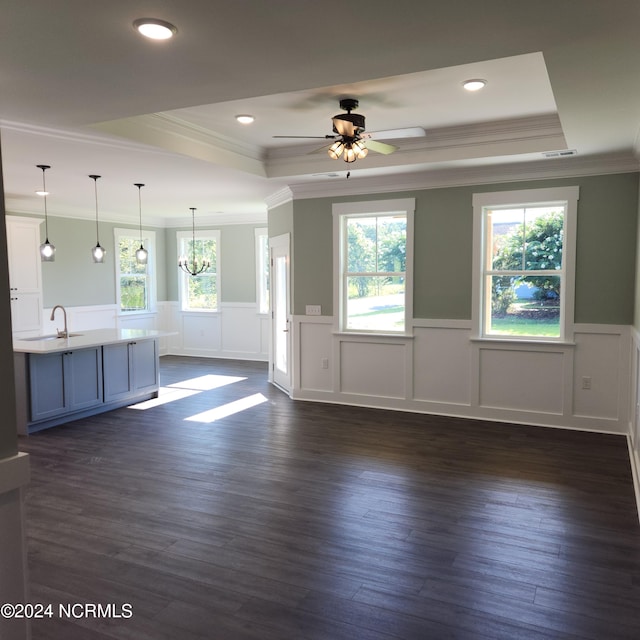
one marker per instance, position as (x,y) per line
(351,143)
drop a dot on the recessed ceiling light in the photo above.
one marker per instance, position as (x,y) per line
(245,118)
(155,29)
(40,192)
(474,84)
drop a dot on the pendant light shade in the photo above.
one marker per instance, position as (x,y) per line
(195,268)
(142,255)
(47,250)
(98,252)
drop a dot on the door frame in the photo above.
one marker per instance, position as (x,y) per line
(284,382)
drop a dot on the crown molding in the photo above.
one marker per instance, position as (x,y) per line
(571,167)
(216,219)
(278,198)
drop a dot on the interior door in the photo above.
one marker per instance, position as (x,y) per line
(280,312)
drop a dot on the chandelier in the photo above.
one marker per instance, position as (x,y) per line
(183,263)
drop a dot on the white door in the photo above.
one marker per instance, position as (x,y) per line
(280,321)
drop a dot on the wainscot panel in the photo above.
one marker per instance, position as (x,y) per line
(373,367)
(442,364)
(525,380)
(315,340)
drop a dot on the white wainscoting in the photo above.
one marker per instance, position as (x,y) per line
(236,331)
(441,369)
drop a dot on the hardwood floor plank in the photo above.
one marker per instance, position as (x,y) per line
(307,521)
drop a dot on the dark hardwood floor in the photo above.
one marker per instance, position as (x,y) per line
(275,520)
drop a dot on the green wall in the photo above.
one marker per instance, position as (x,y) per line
(73,279)
(236,259)
(606,248)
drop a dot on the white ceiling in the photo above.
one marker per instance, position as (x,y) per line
(81,91)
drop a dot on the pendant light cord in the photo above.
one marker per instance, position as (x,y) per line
(44,167)
(95,188)
(140,209)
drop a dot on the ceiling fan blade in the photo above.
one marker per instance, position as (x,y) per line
(343,127)
(380,147)
(327,137)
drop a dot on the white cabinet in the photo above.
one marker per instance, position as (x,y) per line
(25,279)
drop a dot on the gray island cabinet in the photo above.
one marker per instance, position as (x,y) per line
(63,379)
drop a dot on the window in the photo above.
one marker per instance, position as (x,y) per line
(134,282)
(200,292)
(375,265)
(524,265)
(262,270)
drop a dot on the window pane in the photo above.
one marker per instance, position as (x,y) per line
(375,303)
(133,293)
(392,243)
(361,245)
(524,306)
(506,239)
(202,291)
(544,236)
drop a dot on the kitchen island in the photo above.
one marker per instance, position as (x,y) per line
(59,379)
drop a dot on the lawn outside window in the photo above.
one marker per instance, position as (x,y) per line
(524,264)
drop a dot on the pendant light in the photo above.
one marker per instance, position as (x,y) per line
(98,252)
(142,255)
(47,250)
(183,263)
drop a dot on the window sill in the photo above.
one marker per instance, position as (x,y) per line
(524,341)
(373,334)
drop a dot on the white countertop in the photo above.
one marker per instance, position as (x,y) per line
(84,339)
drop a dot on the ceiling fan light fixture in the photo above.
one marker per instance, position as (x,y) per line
(360,149)
(336,149)
(350,154)
(155,29)
(474,84)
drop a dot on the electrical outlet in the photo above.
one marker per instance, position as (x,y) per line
(586,382)
(313,310)
(324,363)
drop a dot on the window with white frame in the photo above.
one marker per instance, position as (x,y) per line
(199,292)
(374,265)
(262,270)
(524,263)
(135,284)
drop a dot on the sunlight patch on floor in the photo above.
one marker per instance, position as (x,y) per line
(228,409)
(207,383)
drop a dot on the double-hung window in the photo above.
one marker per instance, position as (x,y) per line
(199,292)
(524,263)
(134,282)
(374,265)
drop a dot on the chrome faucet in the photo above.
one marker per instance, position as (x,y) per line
(65,333)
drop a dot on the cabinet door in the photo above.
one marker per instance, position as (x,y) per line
(118,383)
(83,375)
(47,388)
(145,365)
(64,382)
(23,240)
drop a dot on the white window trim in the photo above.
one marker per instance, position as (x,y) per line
(260,232)
(569,197)
(200,234)
(150,245)
(406,206)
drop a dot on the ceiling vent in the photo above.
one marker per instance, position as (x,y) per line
(560,154)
